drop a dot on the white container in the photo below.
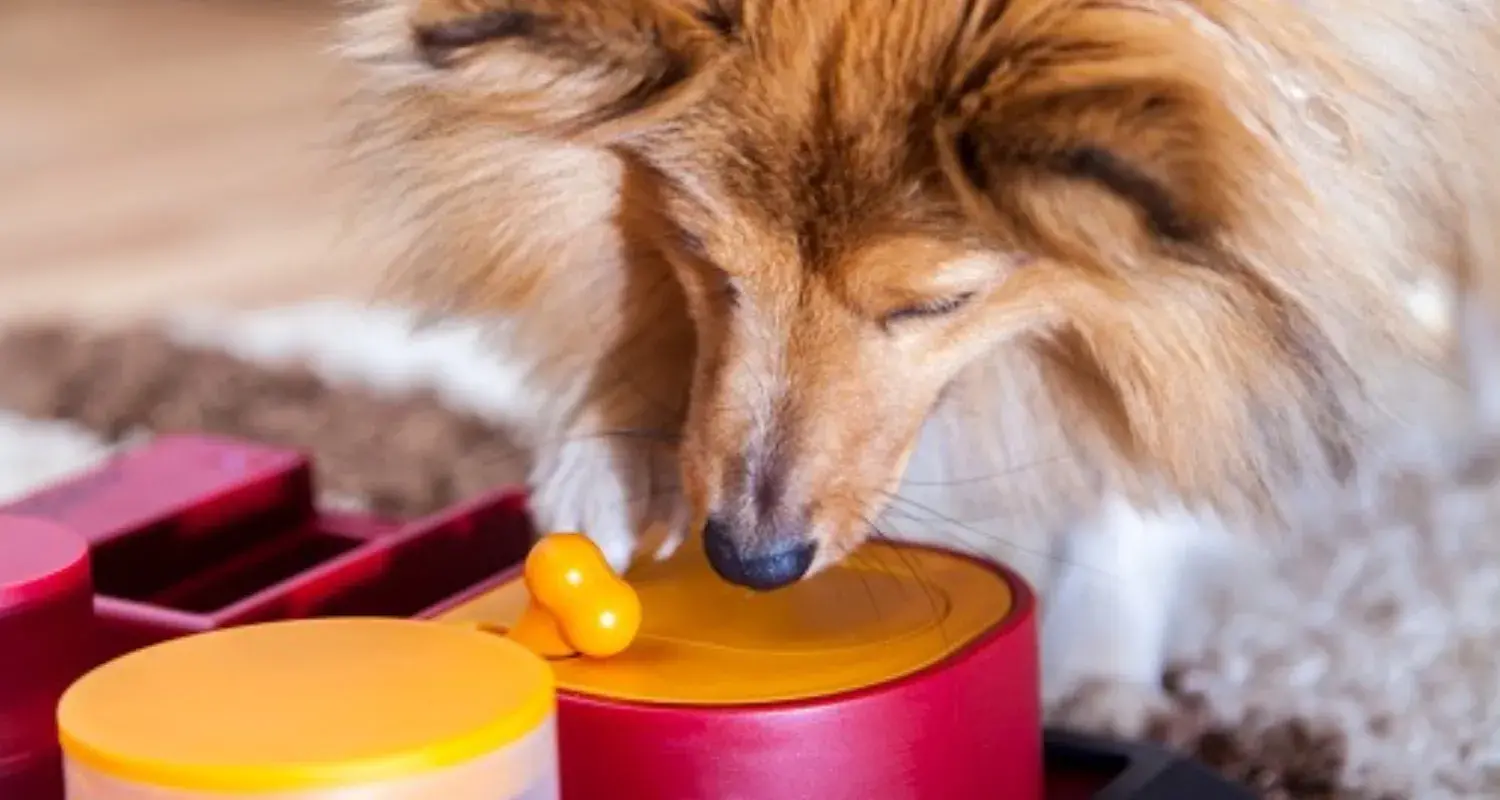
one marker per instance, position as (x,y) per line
(374,709)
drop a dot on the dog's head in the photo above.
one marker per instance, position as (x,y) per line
(862,198)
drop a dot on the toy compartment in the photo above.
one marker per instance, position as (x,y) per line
(408,570)
(195,533)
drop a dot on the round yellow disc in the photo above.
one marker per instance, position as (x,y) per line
(880,615)
(302,705)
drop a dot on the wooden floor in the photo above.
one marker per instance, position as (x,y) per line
(162,152)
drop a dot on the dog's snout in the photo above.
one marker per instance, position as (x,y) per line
(772,564)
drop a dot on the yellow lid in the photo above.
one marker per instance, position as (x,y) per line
(303,705)
(882,614)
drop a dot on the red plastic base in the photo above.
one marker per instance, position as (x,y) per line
(36,778)
(966,729)
(46,640)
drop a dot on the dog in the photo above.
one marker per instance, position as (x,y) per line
(1074,284)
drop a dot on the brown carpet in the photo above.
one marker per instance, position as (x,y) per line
(413,455)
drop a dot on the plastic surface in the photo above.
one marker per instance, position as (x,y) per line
(868,620)
(193,534)
(893,675)
(525,770)
(297,706)
(39,561)
(33,778)
(46,640)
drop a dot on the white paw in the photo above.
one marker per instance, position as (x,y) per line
(613,532)
(1111,708)
(676,532)
(1108,614)
(609,493)
(1098,636)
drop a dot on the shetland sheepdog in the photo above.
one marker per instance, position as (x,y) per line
(1070,283)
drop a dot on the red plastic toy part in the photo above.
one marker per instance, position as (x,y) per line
(966,729)
(46,641)
(198,533)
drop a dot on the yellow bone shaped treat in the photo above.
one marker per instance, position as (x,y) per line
(577,603)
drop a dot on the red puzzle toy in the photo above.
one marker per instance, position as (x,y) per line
(905,672)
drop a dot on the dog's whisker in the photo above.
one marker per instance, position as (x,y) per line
(983,537)
(929,592)
(966,534)
(995,477)
(856,557)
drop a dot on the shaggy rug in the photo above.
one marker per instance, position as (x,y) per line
(1362,660)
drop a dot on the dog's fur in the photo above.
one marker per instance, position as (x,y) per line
(987,271)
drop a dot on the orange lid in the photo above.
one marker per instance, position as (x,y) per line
(302,705)
(882,614)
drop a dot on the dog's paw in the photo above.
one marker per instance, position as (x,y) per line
(612,532)
(1109,707)
(674,533)
(595,489)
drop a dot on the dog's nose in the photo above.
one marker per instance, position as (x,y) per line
(762,569)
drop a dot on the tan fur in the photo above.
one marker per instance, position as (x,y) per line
(1187,229)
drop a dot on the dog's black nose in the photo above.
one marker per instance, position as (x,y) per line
(773,567)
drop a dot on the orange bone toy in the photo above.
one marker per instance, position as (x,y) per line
(577,605)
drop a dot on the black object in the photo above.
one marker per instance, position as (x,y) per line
(1094,768)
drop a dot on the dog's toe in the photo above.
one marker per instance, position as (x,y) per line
(1109,707)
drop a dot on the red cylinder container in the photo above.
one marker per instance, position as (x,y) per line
(968,728)
(903,672)
(46,642)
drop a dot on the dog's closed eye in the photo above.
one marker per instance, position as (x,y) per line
(438,42)
(936,308)
(690,244)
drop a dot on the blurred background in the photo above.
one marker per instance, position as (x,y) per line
(159,153)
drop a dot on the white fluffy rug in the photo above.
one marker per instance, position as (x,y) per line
(1387,625)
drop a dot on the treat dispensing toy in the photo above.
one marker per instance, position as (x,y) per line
(852,684)
(255,646)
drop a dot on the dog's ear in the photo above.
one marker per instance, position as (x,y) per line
(1113,92)
(572,67)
